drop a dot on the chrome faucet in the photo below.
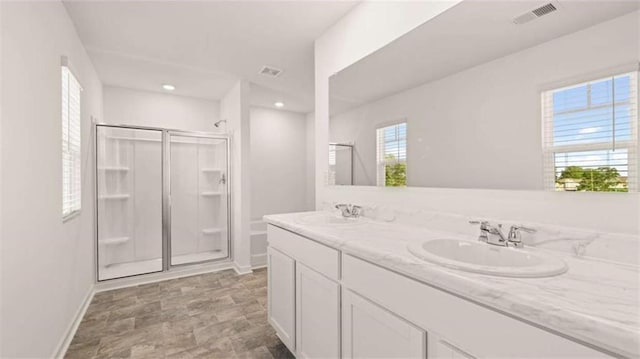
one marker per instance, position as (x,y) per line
(515,237)
(349,210)
(493,234)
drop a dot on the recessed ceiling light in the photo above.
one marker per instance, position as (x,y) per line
(279,104)
(168,87)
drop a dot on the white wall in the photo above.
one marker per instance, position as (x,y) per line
(279,160)
(234,108)
(310,160)
(144,108)
(366,29)
(47,265)
(481,128)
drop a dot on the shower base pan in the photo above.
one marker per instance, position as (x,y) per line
(120,270)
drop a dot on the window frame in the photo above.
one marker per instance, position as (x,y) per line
(71,143)
(631,146)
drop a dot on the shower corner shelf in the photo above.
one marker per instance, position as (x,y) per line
(212,230)
(211,194)
(114,169)
(211,170)
(113,241)
(114,197)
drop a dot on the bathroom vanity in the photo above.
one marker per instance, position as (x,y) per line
(342,288)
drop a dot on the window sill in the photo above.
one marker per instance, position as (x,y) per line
(70,216)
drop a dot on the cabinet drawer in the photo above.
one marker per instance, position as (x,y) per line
(470,327)
(314,255)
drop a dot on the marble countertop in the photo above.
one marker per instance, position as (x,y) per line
(595,301)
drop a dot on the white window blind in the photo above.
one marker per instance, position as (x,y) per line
(71,167)
(391,155)
(590,135)
(332,165)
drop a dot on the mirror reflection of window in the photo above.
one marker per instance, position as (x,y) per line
(589,135)
(392,155)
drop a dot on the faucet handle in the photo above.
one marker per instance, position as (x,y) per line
(484,225)
(522,228)
(527,229)
(515,235)
(356,210)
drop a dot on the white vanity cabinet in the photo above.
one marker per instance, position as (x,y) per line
(327,304)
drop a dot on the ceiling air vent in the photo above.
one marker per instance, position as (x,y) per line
(535,13)
(270,71)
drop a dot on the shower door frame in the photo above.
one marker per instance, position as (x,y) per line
(166,220)
(166,194)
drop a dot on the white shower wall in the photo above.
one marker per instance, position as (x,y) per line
(129,175)
(198,199)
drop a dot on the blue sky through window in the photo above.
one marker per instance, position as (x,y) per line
(395,141)
(584,115)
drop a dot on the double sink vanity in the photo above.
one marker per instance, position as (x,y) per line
(342,287)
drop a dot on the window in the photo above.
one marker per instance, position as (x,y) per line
(71,194)
(392,155)
(332,164)
(590,135)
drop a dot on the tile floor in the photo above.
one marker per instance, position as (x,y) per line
(214,315)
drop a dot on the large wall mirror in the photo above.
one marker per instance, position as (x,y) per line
(527,95)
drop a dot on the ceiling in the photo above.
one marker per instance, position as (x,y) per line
(471,33)
(204,47)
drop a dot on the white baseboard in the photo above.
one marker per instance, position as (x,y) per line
(65,341)
(240,270)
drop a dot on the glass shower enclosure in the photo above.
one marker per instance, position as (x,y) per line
(162,199)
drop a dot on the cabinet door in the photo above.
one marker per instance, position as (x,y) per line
(369,331)
(317,315)
(281,296)
(439,349)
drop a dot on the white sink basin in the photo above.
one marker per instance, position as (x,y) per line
(322,219)
(479,257)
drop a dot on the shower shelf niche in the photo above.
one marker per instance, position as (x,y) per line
(115,197)
(212,231)
(212,170)
(211,194)
(114,241)
(114,169)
